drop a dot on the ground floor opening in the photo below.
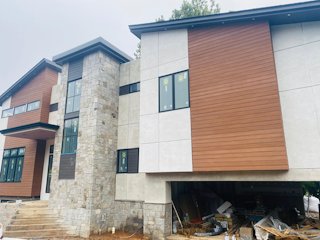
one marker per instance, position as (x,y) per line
(278,209)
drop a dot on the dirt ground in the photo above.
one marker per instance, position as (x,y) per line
(118,235)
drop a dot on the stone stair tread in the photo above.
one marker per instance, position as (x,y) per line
(32,224)
(36,233)
(35,220)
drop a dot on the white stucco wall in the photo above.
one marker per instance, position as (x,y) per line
(3,125)
(297,58)
(165,138)
(128,133)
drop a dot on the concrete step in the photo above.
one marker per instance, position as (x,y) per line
(39,226)
(34,210)
(34,216)
(32,204)
(25,221)
(36,233)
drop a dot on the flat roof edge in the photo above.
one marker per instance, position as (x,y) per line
(89,47)
(138,29)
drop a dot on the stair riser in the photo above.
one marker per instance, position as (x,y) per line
(38,216)
(35,211)
(31,227)
(35,234)
(35,221)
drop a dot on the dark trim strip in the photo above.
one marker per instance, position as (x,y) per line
(30,126)
(53,107)
(71,115)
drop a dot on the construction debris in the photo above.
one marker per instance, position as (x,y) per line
(231,223)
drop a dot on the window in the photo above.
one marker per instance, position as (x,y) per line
(49,169)
(174,91)
(20,109)
(73,96)
(130,88)
(123,161)
(70,136)
(33,106)
(12,163)
(128,161)
(166,93)
(7,113)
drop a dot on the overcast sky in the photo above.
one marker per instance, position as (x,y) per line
(35,29)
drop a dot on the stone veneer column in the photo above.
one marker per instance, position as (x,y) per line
(157,220)
(87,202)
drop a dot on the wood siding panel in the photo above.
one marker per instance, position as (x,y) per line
(23,188)
(235,108)
(38,88)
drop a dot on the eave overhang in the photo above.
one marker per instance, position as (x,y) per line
(282,14)
(35,131)
(29,76)
(98,44)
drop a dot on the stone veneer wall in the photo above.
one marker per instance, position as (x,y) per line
(157,221)
(87,202)
(7,212)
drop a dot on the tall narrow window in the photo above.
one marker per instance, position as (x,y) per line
(73,96)
(70,138)
(12,164)
(166,93)
(123,161)
(174,91)
(49,169)
(181,90)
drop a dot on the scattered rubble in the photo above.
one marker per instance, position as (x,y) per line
(231,223)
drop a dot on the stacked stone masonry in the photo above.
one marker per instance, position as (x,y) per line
(7,212)
(157,220)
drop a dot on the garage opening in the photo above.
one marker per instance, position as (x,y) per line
(246,210)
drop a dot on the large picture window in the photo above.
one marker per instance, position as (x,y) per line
(128,160)
(174,91)
(12,164)
(73,96)
(70,136)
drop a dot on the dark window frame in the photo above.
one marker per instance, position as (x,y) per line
(4,110)
(128,170)
(49,170)
(173,92)
(35,109)
(15,108)
(10,158)
(127,89)
(73,97)
(75,135)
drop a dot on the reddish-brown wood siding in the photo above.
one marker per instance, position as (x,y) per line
(23,188)
(235,107)
(38,88)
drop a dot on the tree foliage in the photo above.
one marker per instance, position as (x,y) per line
(188,8)
(195,8)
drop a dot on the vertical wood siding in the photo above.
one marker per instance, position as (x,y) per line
(38,88)
(235,107)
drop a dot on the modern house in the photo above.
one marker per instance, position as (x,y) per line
(229,102)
